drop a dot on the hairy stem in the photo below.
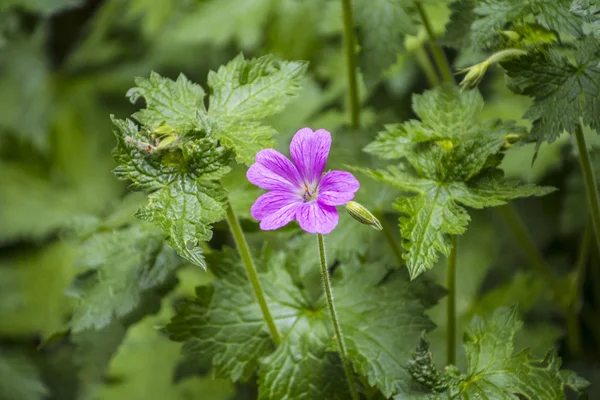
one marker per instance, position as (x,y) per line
(427,67)
(590,182)
(334,318)
(451,304)
(351,63)
(438,54)
(242,245)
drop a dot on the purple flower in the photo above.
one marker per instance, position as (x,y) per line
(300,190)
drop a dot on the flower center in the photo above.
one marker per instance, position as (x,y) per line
(309,193)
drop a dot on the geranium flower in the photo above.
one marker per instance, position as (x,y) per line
(299,191)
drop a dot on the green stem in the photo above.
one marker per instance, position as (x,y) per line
(438,54)
(516,224)
(590,182)
(351,63)
(427,67)
(334,318)
(572,317)
(451,304)
(389,236)
(242,245)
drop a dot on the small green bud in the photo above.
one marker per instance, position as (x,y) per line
(166,142)
(511,35)
(474,75)
(362,215)
(164,130)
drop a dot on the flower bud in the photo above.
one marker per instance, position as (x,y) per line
(474,75)
(362,215)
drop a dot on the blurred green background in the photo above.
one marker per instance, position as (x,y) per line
(65,66)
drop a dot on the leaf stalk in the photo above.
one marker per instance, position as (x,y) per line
(451,304)
(590,182)
(242,245)
(438,54)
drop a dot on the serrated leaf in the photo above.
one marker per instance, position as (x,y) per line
(558,82)
(382,26)
(224,323)
(495,15)
(175,104)
(20,378)
(495,371)
(121,266)
(373,322)
(246,91)
(184,211)
(589,10)
(144,365)
(449,159)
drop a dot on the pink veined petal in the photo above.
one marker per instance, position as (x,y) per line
(280,218)
(337,188)
(273,171)
(271,202)
(309,151)
(317,218)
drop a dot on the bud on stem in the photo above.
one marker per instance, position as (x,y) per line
(362,215)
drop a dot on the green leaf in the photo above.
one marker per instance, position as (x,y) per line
(185,210)
(496,15)
(449,159)
(458,29)
(186,200)
(382,26)
(373,323)
(301,367)
(495,371)
(557,81)
(172,103)
(144,366)
(20,378)
(121,267)
(246,91)
(204,24)
(182,149)
(589,10)
(32,286)
(224,323)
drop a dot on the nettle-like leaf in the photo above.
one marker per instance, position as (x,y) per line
(224,323)
(589,10)
(449,159)
(183,148)
(494,370)
(493,16)
(478,24)
(382,26)
(122,265)
(559,81)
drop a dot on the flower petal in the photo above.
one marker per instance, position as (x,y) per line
(309,151)
(271,202)
(280,218)
(317,218)
(273,171)
(337,188)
